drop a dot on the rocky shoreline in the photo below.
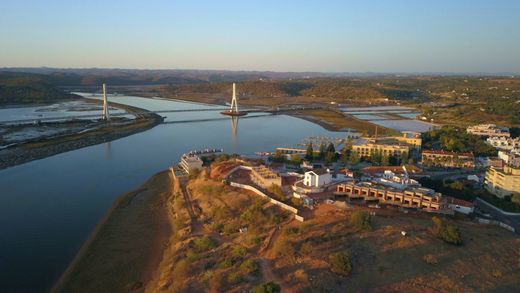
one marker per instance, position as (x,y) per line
(46,147)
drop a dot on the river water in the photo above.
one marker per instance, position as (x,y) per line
(48,207)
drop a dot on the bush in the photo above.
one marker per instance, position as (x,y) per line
(430,259)
(361,220)
(249,267)
(226,263)
(292,231)
(181,271)
(269,287)
(238,252)
(448,233)
(134,286)
(340,263)
(203,244)
(276,191)
(516,198)
(234,278)
(284,248)
(306,249)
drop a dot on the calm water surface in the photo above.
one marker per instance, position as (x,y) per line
(48,207)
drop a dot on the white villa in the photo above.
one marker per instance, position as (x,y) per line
(317,178)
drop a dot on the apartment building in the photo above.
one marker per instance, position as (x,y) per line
(503,181)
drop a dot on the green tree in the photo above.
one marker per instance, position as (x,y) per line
(249,267)
(516,198)
(353,158)
(323,151)
(331,148)
(385,160)
(448,233)
(269,287)
(296,159)
(361,220)
(340,263)
(309,155)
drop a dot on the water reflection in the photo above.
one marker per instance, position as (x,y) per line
(108,150)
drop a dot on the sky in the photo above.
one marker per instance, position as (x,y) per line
(408,36)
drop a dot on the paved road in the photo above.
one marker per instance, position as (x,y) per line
(511,220)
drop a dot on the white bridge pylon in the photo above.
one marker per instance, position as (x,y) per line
(234,104)
(106,114)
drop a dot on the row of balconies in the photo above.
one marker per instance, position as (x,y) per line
(353,191)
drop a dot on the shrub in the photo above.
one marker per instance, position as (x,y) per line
(234,278)
(306,249)
(181,271)
(361,220)
(516,198)
(204,243)
(269,287)
(430,259)
(249,267)
(192,256)
(340,263)
(134,286)
(497,274)
(284,248)
(448,233)
(238,252)
(292,231)
(226,263)
(276,191)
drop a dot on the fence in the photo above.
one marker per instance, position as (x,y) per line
(498,223)
(255,190)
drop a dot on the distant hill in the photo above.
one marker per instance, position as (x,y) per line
(18,89)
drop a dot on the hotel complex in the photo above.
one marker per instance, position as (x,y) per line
(410,197)
(367,150)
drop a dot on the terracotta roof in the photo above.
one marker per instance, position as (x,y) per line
(395,169)
(320,171)
(459,202)
(443,152)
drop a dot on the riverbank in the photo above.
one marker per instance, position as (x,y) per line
(103,132)
(126,247)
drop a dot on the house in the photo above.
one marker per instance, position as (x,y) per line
(447,159)
(190,162)
(317,178)
(460,206)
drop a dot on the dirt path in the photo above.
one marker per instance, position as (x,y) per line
(265,254)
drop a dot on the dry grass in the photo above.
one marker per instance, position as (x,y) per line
(386,261)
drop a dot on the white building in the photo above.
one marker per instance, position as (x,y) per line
(190,162)
(504,143)
(460,206)
(317,178)
(488,130)
(510,158)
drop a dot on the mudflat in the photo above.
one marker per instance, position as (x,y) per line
(124,250)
